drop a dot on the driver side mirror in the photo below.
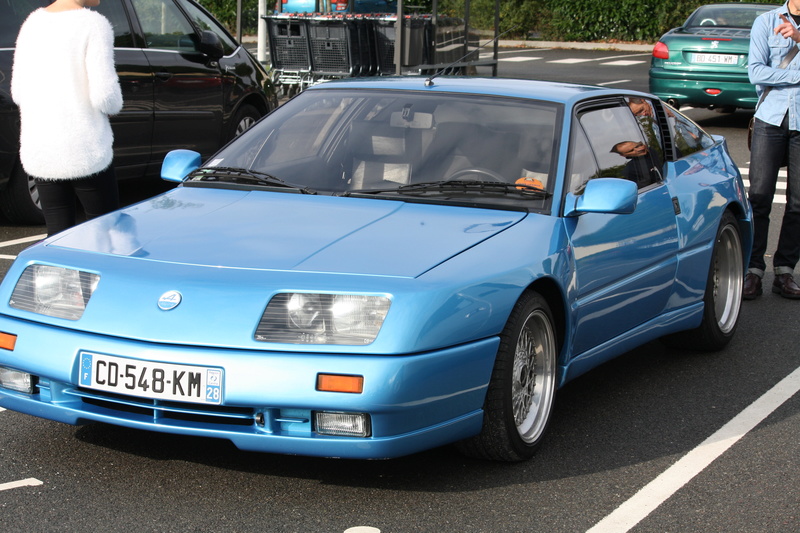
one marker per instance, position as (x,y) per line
(210,45)
(603,195)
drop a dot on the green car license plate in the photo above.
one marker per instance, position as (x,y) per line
(716,59)
(148,379)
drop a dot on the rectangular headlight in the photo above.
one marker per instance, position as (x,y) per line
(16,380)
(54,291)
(311,318)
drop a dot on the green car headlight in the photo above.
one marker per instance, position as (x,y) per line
(54,291)
(310,318)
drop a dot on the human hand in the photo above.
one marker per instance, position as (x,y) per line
(787,30)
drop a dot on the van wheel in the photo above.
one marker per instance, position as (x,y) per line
(244,119)
(20,200)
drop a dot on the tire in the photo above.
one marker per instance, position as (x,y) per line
(20,200)
(243,120)
(521,392)
(723,296)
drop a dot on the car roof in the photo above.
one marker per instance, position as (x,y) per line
(558,92)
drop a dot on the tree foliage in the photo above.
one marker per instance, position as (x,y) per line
(559,20)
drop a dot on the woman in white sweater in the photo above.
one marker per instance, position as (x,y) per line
(66,86)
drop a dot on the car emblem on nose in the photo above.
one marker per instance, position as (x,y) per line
(169,300)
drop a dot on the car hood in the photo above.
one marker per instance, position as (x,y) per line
(288,232)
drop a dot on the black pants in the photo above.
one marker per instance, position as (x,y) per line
(97,193)
(769,148)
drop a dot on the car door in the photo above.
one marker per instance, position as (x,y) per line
(188,90)
(624,264)
(133,126)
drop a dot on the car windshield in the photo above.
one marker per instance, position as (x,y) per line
(426,146)
(726,16)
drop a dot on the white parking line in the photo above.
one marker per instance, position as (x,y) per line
(622,63)
(30,482)
(644,502)
(23,240)
(613,82)
(517,59)
(781,185)
(570,61)
(14,242)
(746,172)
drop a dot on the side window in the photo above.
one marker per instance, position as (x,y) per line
(645,113)
(115,13)
(688,138)
(204,22)
(582,165)
(164,25)
(619,146)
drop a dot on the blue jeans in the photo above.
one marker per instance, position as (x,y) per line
(769,147)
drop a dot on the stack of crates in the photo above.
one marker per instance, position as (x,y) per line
(288,48)
(305,48)
(417,44)
(341,45)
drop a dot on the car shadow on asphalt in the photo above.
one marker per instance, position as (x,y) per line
(652,404)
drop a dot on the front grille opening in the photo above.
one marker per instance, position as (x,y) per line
(163,412)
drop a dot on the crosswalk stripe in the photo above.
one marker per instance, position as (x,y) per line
(518,59)
(571,61)
(623,63)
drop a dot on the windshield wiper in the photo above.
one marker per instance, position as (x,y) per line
(465,186)
(243,177)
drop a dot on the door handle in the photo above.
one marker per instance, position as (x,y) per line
(164,76)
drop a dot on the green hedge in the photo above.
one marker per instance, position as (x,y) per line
(615,20)
(559,20)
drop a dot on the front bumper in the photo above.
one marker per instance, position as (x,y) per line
(689,88)
(415,402)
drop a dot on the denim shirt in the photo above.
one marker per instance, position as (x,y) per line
(767,49)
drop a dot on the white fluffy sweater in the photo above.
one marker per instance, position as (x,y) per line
(65,85)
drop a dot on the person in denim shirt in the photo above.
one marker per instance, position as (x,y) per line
(776,138)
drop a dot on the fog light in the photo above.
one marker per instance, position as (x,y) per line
(16,380)
(342,424)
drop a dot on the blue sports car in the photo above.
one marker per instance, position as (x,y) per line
(382,266)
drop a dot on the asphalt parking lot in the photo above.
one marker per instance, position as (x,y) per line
(656,441)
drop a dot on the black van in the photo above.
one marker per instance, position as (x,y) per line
(186,83)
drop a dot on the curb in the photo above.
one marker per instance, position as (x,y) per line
(626,47)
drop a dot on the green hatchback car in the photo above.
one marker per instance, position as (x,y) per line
(704,62)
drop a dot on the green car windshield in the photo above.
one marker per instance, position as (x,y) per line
(727,16)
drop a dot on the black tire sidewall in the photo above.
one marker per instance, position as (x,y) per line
(503,375)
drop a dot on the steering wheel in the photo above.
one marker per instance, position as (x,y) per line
(476,171)
(708,22)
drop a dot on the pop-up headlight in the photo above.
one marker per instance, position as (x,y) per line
(54,291)
(309,318)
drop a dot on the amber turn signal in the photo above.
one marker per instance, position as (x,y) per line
(340,383)
(7,341)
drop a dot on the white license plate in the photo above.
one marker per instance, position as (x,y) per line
(716,59)
(148,379)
